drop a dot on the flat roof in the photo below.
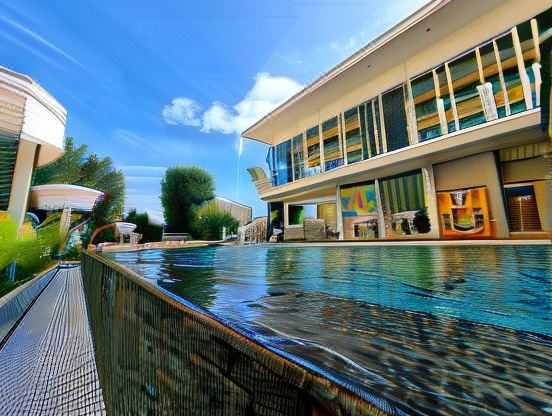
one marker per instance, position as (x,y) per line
(406,38)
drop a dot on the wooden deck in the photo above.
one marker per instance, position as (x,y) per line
(47,365)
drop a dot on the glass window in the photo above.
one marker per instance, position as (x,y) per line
(394,115)
(371,128)
(296,214)
(353,139)
(464,74)
(331,137)
(298,158)
(8,152)
(510,72)
(273,174)
(377,125)
(366,151)
(282,161)
(493,78)
(444,106)
(530,59)
(313,149)
(425,106)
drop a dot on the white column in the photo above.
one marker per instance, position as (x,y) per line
(381,219)
(21,183)
(339,213)
(431,201)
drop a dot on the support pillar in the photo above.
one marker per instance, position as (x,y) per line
(21,183)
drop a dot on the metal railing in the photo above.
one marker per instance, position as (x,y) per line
(161,355)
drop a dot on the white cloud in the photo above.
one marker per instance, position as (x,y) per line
(183,111)
(218,118)
(267,93)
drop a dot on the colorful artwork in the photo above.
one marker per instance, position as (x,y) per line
(404,206)
(359,211)
(464,213)
(358,200)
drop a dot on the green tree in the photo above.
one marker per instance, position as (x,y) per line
(150,232)
(67,169)
(209,221)
(184,189)
(75,168)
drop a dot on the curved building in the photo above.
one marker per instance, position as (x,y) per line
(32,127)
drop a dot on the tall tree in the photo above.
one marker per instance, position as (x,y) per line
(66,169)
(75,168)
(183,189)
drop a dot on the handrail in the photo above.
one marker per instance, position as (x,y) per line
(160,352)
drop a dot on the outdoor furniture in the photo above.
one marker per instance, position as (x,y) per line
(315,229)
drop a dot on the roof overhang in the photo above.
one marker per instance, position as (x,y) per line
(44,118)
(58,196)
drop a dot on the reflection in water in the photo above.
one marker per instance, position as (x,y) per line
(431,330)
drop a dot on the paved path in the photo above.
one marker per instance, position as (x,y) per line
(47,365)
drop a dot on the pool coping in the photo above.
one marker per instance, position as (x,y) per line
(331,243)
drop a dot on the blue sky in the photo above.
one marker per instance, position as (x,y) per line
(155,84)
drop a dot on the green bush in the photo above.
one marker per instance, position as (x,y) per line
(31,252)
(209,220)
(150,232)
(183,190)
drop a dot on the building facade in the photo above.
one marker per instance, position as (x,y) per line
(433,130)
(32,126)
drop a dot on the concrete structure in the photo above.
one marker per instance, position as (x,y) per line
(32,125)
(56,197)
(433,130)
(241,212)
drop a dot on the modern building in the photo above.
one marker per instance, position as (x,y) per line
(32,125)
(432,130)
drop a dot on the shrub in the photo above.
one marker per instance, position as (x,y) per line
(209,220)
(183,190)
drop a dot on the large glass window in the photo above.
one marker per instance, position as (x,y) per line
(331,137)
(464,74)
(492,75)
(366,151)
(444,106)
(273,174)
(394,116)
(530,59)
(313,150)
(298,158)
(372,127)
(425,106)
(353,139)
(8,151)
(282,161)
(510,72)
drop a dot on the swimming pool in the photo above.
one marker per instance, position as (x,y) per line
(428,330)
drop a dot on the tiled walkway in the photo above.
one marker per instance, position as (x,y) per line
(47,365)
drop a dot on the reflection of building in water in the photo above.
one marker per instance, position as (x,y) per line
(431,131)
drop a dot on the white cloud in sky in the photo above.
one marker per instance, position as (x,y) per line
(267,93)
(182,111)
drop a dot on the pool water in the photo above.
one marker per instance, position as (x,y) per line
(417,329)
